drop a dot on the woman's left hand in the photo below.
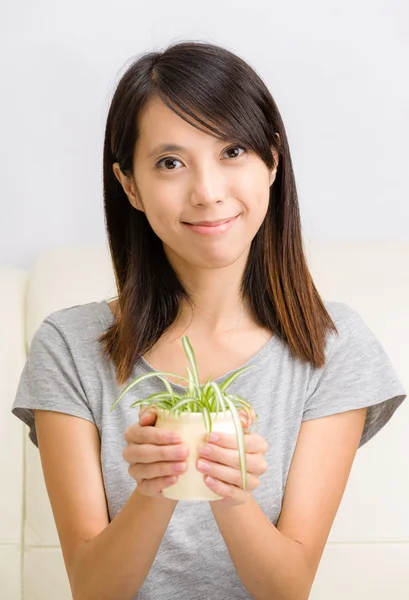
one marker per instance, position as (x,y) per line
(223,465)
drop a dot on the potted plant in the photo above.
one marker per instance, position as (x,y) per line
(194,415)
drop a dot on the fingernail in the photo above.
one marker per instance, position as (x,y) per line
(203,465)
(213,437)
(147,415)
(211,481)
(180,467)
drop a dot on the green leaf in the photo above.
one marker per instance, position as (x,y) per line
(138,380)
(142,402)
(191,357)
(192,388)
(207,421)
(240,441)
(168,387)
(185,401)
(243,403)
(207,390)
(161,395)
(206,385)
(149,403)
(219,396)
(233,377)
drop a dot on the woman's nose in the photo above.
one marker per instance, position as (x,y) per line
(208,188)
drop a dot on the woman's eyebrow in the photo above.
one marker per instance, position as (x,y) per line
(166,148)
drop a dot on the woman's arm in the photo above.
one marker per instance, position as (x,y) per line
(270,565)
(104,560)
(116,562)
(281,562)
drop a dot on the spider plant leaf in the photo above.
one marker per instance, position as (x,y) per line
(208,422)
(192,389)
(191,357)
(243,403)
(218,396)
(233,377)
(154,403)
(183,402)
(240,441)
(162,396)
(168,387)
(138,380)
(240,407)
(206,386)
(140,403)
(240,400)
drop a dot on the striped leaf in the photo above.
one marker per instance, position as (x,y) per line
(207,421)
(162,396)
(240,441)
(138,380)
(168,387)
(233,377)
(182,402)
(219,397)
(192,388)
(191,357)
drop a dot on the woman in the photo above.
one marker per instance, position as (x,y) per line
(204,230)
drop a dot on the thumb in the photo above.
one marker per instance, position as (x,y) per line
(245,420)
(147,416)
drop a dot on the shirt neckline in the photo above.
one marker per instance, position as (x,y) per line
(143,364)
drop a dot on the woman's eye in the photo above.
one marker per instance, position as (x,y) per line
(235,148)
(168,159)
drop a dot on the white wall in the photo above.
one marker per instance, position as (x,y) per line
(336,71)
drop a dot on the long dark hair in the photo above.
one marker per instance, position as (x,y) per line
(219,93)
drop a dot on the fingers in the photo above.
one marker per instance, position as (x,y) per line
(246,421)
(146,433)
(147,415)
(231,476)
(254,443)
(154,487)
(153,453)
(154,470)
(256,464)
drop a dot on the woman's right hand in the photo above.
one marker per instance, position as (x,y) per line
(154,459)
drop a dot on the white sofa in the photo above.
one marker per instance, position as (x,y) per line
(367,555)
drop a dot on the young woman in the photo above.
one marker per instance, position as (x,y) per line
(204,230)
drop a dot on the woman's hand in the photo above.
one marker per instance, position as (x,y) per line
(154,456)
(222,460)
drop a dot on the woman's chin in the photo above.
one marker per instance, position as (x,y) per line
(208,256)
(213,260)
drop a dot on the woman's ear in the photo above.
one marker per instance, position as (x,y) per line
(273,171)
(129,187)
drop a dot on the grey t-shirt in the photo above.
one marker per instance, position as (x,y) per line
(66,371)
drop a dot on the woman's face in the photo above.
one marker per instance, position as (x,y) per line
(206,179)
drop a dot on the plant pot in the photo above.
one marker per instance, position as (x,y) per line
(192,430)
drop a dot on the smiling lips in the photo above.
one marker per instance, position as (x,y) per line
(212,223)
(212,227)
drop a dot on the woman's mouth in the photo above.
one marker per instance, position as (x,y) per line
(213,229)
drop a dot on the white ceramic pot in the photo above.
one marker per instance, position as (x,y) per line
(192,430)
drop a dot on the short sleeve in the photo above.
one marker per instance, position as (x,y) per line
(358,373)
(49,380)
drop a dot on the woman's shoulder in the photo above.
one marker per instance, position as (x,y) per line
(340,312)
(89,317)
(73,331)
